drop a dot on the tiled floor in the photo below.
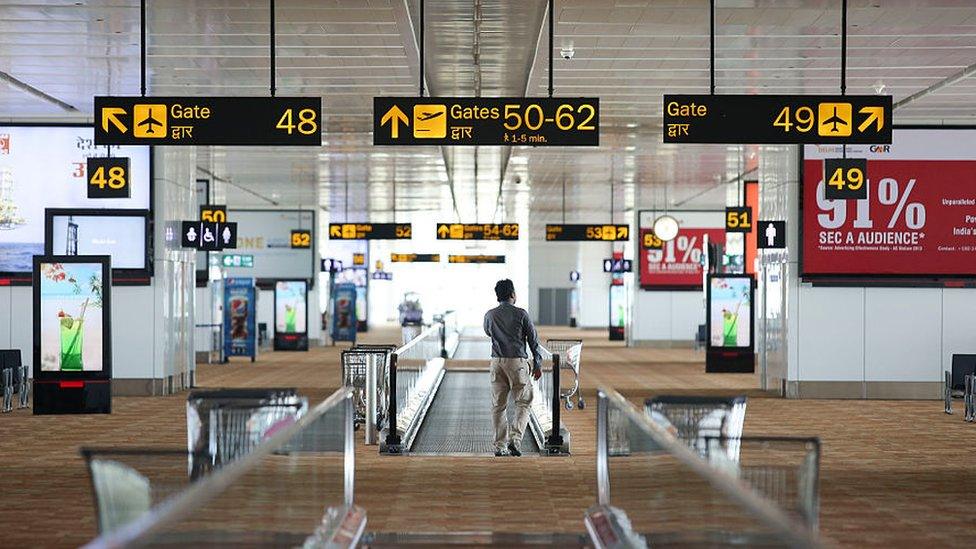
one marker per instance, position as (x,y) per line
(893,473)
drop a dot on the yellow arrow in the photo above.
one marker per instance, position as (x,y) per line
(874,113)
(335,231)
(442,231)
(623,232)
(394,116)
(110,114)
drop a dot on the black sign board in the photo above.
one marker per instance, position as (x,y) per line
(738,219)
(208,120)
(845,178)
(108,177)
(651,241)
(301,238)
(612,265)
(415,258)
(772,234)
(213,212)
(604,233)
(330,265)
(538,121)
(760,119)
(473,231)
(208,235)
(476,259)
(370,231)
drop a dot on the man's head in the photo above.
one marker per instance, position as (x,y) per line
(505,290)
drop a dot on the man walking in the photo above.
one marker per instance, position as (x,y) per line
(510,329)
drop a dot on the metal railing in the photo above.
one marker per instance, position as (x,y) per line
(546,412)
(295,488)
(660,491)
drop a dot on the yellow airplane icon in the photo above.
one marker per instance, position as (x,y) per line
(430,121)
(149,121)
(834,119)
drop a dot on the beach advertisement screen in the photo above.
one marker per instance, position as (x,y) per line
(730,312)
(44,167)
(71,327)
(290,307)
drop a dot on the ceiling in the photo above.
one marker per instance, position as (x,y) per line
(626,52)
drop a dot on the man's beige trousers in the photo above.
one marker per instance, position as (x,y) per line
(510,375)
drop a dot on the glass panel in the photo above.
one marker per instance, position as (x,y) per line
(296,484)
(669,494)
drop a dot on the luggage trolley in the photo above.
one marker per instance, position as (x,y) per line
(692,418)
(570,351)
(355,362)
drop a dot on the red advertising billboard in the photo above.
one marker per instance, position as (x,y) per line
(919,217)
(678,264)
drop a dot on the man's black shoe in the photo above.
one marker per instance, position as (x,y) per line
(500,453)
(513,451)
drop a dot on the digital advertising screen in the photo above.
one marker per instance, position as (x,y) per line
(919,217)
(730,312)
(71,315)
(44,167)
(291,315)
(240,315)
(120,234)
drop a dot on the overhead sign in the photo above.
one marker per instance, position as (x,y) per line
(917,221)
(238,260)
(213,212)
(205,235)
(472,231)
(370,231)
(574,232)
(772,234)
(650,241)
(615,265)
(415,258)
(476,259)
(358,259)
(330,265)
(771,119)
(301,238)
(108,177)
(738,219)
(537,121)
(208,120)
(845,178)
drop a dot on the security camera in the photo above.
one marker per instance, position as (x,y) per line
(567,52)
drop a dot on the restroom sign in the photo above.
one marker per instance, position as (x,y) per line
(771,234)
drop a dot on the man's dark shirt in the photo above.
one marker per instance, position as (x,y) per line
(510,328)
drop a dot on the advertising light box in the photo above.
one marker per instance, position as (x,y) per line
(730,312)
(44,167)
(677,264)
(919,217)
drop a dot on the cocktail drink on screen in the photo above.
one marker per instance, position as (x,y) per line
(290,319)
(72,340)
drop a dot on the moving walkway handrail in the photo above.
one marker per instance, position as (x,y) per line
(208,488)
(734,489)
(393,440)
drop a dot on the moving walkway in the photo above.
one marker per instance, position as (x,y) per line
(448,410)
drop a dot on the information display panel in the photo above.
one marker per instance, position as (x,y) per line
(121,234)
(477,231)
(919,217)
(46,167)
(576,232)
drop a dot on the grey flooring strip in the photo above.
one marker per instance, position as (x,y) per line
(459,419)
